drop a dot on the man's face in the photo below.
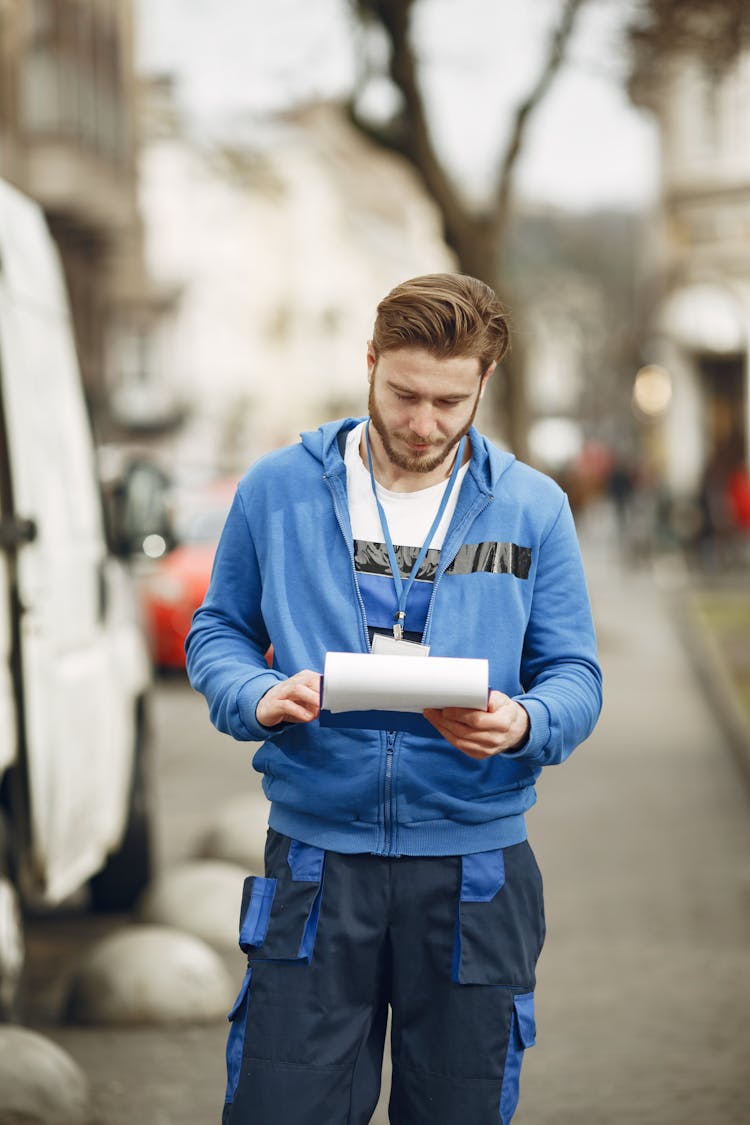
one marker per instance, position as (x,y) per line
(422,406)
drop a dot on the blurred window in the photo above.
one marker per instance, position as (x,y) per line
(709,111)
(109,86)
(40,86)
(83,55)
(72,73)
(7,68)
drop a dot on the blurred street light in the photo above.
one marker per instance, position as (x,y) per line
(652,391)
(154,546)
(555,442)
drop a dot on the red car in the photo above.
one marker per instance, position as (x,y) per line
(175,585)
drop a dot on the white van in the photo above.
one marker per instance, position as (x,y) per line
(74,671)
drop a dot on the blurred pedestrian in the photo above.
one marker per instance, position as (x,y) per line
(398,871)
(738,497)
(620,488)
(724,501)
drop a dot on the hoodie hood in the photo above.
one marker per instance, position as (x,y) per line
(488,463)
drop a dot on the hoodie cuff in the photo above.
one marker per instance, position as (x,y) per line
(248,698)
(539,730)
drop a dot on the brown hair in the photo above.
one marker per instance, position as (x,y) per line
(447,314)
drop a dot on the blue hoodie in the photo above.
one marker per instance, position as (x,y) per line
(509,588)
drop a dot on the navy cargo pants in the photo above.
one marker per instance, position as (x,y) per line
(450,943)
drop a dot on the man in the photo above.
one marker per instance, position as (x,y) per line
(398,872)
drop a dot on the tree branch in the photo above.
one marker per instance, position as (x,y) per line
(524,111)
(412,136)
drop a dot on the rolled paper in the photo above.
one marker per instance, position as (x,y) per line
(354,681)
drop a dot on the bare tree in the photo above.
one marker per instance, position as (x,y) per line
(476,235)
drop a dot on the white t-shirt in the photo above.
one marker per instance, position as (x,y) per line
(409,514)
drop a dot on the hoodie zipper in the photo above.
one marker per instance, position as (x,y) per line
(391,735)
(390,746)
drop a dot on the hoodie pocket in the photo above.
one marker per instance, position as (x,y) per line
(499,919)
(279,914)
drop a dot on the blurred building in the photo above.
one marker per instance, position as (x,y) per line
(573,281)
(279,245)
(68,139)
(699,264)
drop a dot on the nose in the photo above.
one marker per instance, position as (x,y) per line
(422,421)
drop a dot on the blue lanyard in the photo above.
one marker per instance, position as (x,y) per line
(403,589)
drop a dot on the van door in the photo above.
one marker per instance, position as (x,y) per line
(78,721)
(7,706)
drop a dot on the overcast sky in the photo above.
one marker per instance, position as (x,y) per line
(588,146)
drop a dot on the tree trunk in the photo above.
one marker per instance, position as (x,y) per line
(476,238)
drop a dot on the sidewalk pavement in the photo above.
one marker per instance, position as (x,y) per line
(714,621)
(643,838)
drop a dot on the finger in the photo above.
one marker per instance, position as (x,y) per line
(469,716)
(461,737)
(470,719)
(299,708)
(437,719)
(304,695)
(291,701)
(476,719)
(445,720)
(497,700)
(469,747)
(472,732)
(310,679)
(298,713)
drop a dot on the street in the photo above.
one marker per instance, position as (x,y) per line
(643,838)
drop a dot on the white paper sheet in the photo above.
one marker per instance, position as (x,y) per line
(354,681)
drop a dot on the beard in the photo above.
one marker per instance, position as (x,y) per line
(425,462)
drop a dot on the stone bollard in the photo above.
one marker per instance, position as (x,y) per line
(149,975)
(202,897)
(39,1083)
(238,834)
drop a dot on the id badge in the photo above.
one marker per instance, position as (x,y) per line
(385,645)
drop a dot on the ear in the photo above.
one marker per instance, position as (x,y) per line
(371,361)
(485,377)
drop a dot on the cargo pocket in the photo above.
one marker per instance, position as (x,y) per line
(499,919)
(522,1036)
(279,915)
(236,1039)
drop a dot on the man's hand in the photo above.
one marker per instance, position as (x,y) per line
(482,734)
(296,700)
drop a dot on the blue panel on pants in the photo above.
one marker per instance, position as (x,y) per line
(236,1038)
(279,916)
(254,922)
(305,862)
(499,919)
(482,875)
(522,1035)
